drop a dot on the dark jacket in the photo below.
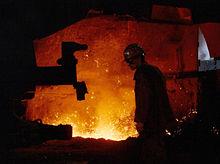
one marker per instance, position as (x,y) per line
(152,103)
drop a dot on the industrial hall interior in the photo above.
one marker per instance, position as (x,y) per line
(99,81)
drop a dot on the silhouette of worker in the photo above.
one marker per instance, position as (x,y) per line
(153,112)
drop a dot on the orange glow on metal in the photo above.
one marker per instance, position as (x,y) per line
(108,109)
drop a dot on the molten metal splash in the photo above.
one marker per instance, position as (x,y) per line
(106,113)
(108,110)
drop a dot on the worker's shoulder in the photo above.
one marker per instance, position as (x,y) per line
(149,69)
(145,71)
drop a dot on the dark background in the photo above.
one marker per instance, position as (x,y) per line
(22,21)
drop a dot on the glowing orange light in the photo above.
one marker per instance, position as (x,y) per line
(108,110)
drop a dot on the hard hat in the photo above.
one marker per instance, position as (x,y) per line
(132,51)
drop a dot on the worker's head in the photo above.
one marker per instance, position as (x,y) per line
(134,55)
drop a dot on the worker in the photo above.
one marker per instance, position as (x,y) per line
(153,113)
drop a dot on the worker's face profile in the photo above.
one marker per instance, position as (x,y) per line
(132,62)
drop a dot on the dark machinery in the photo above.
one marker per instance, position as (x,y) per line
(22,132)
(64,74)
